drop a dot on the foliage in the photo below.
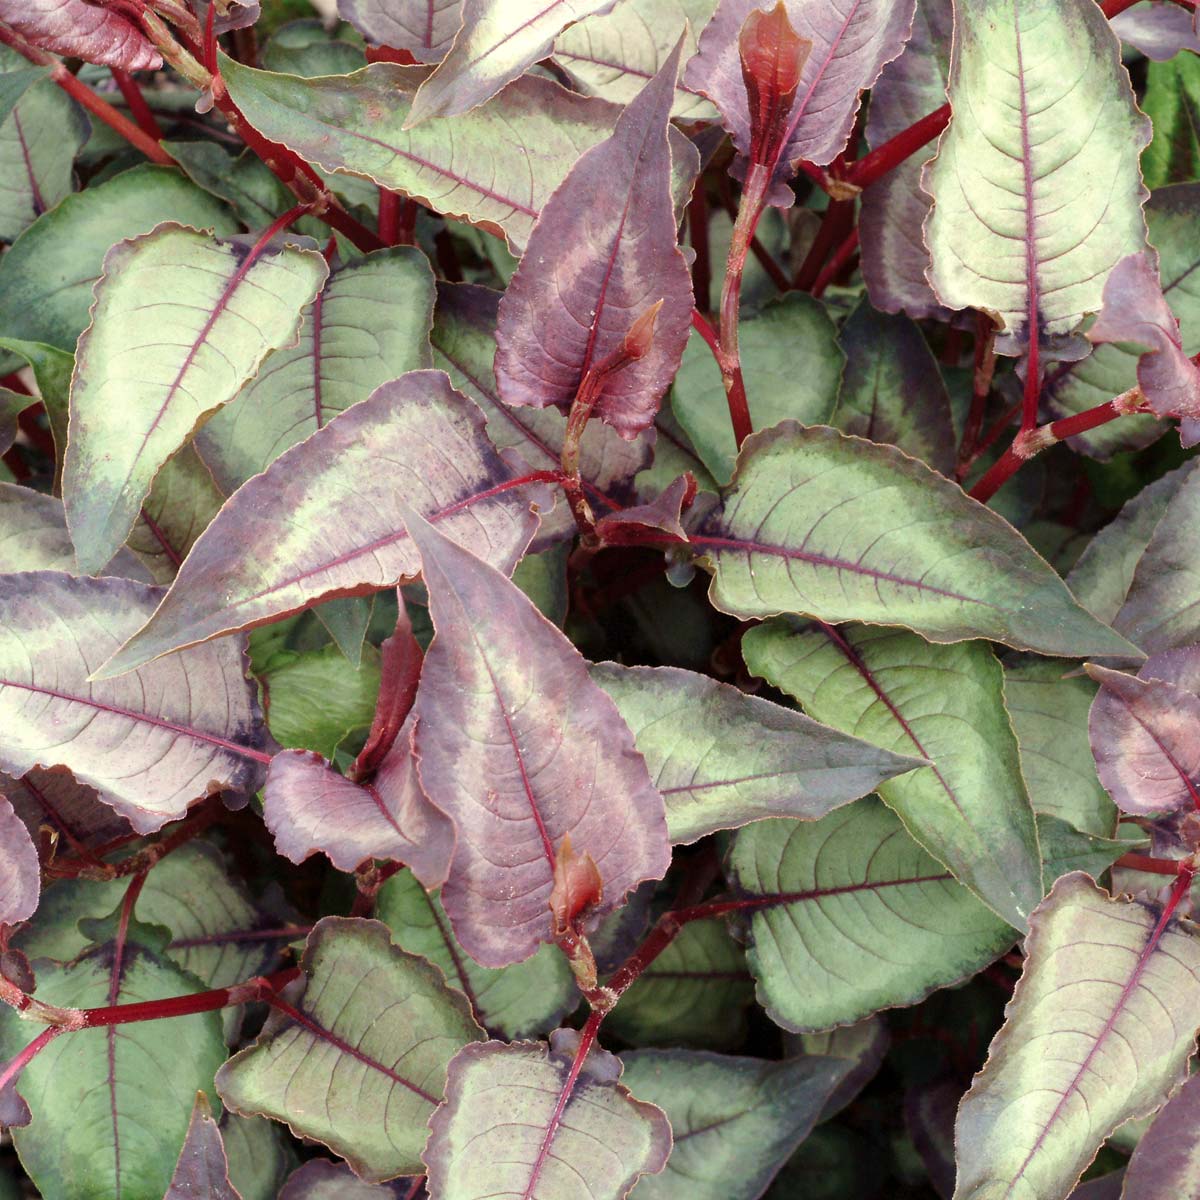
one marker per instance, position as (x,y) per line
(536,659)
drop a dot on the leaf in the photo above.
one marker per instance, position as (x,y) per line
(425,28)
(39,139)
(321,521)
(497,171)
(497,41)
(1036,190)
(849,48)
(66,809)
(854,887)
(565,319)
(520,748)
(1109,991)
(792,366)
(496,1133)
(12,405)
(1144,737)
(848,550)
(613,55)
(1171,103)
(151,744)
(1065,848)
(134,399)
(47,277)
(735,1121)
(81,30)
(320,1179)
(721,758)
(371,1033)
(52,372)
(695,993)
(894,207)
(969,807)
(111,1106)
(20,871)
(1164,1163)
(306,47)
(308,807)
(518,1000)
(1162,608)
(861,1046)
(892,391)
(369,324)
(202,1172)
(1159,31)
(15,82)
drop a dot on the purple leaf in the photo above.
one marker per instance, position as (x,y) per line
(519,747)
(1146,740)
(1159,31)
(202,1172)
(71,810)
(308,806)
(82,30)
(662,514)
(323,520)
(320,1179)
(1165,1163)
(20,871)
(850,45)
(230,15)
(602,254)
(425,28)
(151,743)
(1135,310)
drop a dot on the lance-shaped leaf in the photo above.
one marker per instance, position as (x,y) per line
(323,520)
(501,1131)
(519,747)
(894,207)
(202,1172)
(518,1000)
(614,55)
(1146,738)
(1048,702)
(850,46)
(1109,995)
(82,30)
(930,558)
(152,743)
(735,1121)
(309,807)
(497,41)
(20,871)
(111,1106)
(154,363)
(371,1034)
(497,170)
(892,390)
(1162,608)
(1036,187)
(721,758)
(969,808)
(567,316)
(1167,1159)
(1135,310)
(854,888)
(368,324)
(425,28)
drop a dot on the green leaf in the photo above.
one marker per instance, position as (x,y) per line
(722,758)
(258,1156)
(696,992)
(861,1046)
(854,888)
(111,1106)
(1048,703)
(308,48)
(522,999)
(882,539)
(368,324)
(152,364)
(371,1035)
(893,391)
(1036,190)
(46,279)
(792,365)
(15,81)
(1172,102)
(1099,1029)
(735,1121)
(1065,849)
(52,369)
(969,808)
(497,1133)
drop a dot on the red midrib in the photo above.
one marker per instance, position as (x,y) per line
(1031,265)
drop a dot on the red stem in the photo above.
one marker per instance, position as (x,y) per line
(146,120)
(834,227)
(698,232)
(105,112)
(389,217)
(1144,862)
(703,327)
(16,1065)
(895,150)
(837,264)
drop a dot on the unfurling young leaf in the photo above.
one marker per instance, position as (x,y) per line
(519,747)
(602,258)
